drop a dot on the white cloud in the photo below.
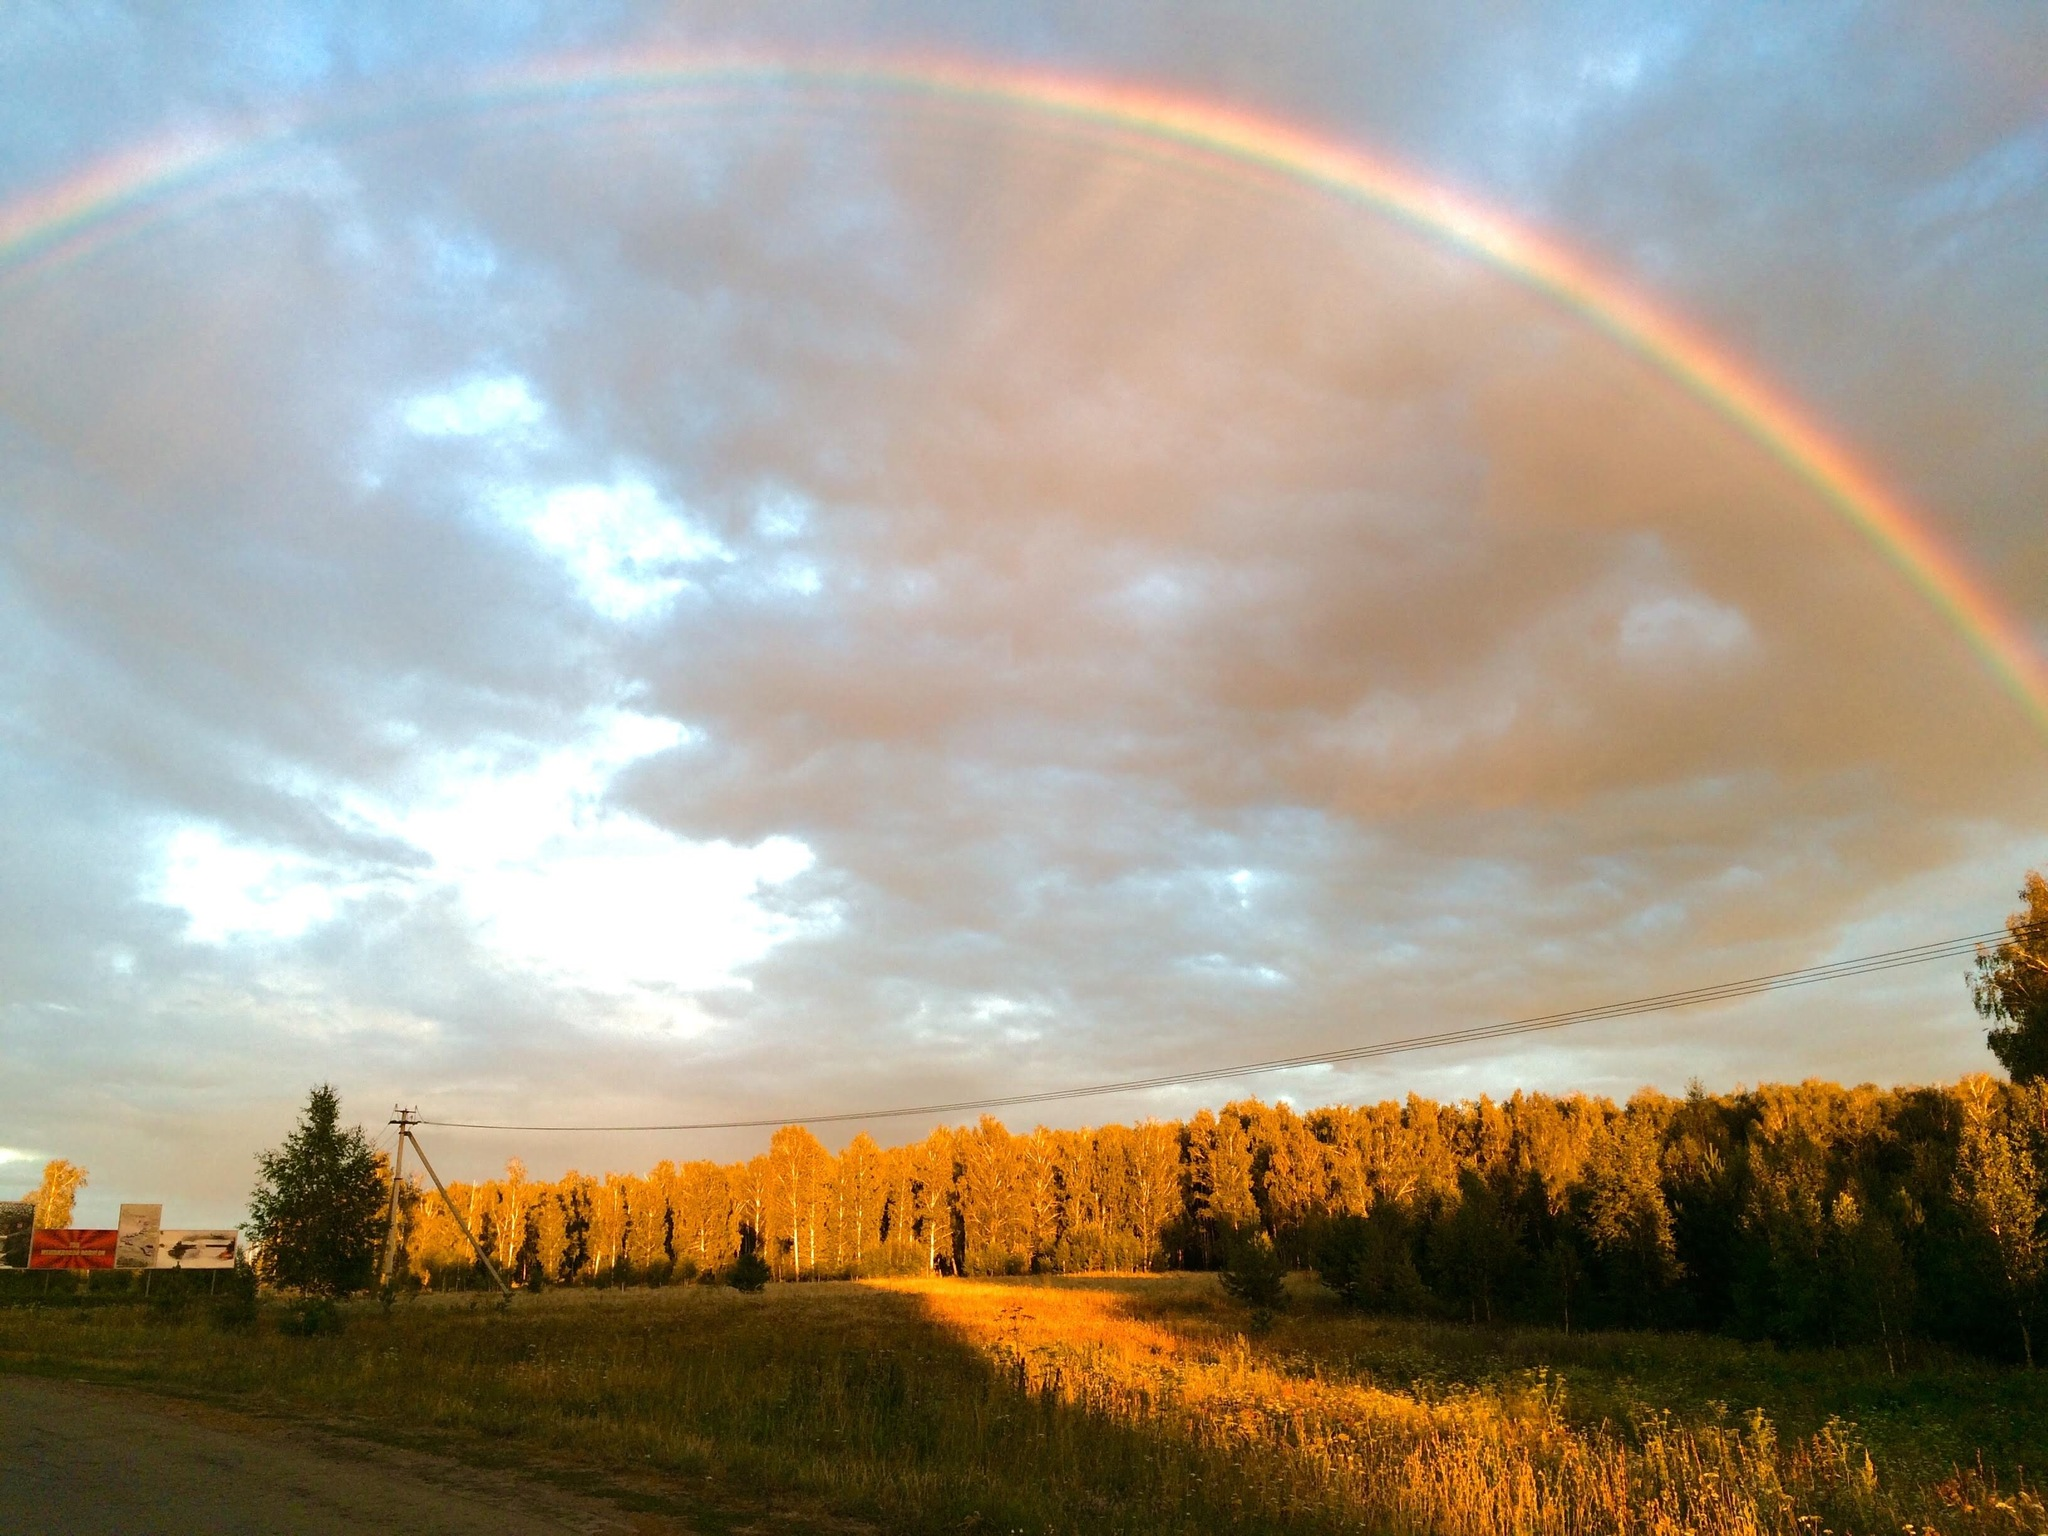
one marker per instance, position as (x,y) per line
(563,882)
(1682,627)
(1224,968)
(498,404)
(497,805)
(624,547)
(16,1155)
(1394,730)
(799,577)
(783,516)
(558,880)
(616,904)
(229,891)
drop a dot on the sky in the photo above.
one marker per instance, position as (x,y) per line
(633,606)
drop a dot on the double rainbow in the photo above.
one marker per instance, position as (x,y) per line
(114,195)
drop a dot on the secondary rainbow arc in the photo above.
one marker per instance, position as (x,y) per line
(63,221)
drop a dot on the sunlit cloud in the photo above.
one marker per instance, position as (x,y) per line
(478,408)
(562,882)
(230,890)
(616,904)
(626,548)
(557,881)
(843,598)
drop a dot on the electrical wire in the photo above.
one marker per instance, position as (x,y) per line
(1861,965)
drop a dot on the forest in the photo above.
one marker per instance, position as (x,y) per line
(1805,1213)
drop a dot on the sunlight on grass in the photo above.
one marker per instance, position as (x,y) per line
(1470,1460)
(1133,1405)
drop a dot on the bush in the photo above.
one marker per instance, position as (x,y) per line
(310,1317)
(234,1306)
(170,1296)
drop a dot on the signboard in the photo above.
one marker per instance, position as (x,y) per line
(17,1220)
(72,1248)
(139,1228)
(192,1248)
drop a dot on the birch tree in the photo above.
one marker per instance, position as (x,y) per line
(55,1196)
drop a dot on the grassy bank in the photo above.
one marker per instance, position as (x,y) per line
(1125,1405)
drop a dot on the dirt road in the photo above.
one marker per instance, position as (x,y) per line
(79,1458)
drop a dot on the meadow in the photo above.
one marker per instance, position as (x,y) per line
(1135,1404)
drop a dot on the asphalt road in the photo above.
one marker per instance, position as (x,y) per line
(76,1458)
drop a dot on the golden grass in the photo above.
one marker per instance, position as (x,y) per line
(1130,1406)
(1473,1462)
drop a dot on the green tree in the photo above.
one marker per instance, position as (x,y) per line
(1369,1260)
(1997,1184)
(1473,1248)
(1254,1273)
(317,1212)
(2011,987)
(749,1271)
(1871,1281)
(1620,1214)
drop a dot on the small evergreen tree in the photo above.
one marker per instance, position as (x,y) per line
(317,1212)
(1254,1273)
(749,1271)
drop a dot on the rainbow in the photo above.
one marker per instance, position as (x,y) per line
(115,196)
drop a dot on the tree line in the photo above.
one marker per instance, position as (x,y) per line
(1807,1213)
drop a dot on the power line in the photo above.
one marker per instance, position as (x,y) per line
(1662,1002)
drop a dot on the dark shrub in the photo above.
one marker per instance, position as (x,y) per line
(1254,1273)
(310,1317)
(1370,1261)
(749,1271)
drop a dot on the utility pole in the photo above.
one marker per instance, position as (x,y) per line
(460,1225)
(403,1119)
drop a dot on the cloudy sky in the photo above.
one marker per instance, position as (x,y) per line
(699,604)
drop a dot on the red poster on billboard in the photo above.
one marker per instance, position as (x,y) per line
(72,1248)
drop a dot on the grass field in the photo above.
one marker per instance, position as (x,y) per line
(1121,1404)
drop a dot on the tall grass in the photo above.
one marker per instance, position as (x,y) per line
(1472,1462)
(938,1406)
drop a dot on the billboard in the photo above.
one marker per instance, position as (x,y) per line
(17,1220)
(72,1248)
(196,1248)
(139,1228)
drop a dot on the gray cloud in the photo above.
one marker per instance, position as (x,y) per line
(572,614)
